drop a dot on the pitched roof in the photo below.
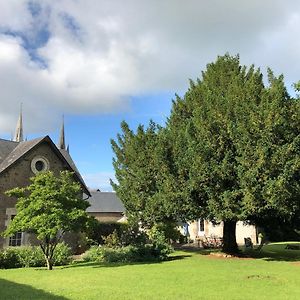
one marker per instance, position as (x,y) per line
(105,202)
(17,152)
(13,151)
(6,147)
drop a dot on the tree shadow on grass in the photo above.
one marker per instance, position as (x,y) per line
(79,264)
(289,255)
(200,251)
(11,290)
(267,256)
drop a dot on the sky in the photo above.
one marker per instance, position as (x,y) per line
(100,62)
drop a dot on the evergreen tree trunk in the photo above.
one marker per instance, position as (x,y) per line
(229,238)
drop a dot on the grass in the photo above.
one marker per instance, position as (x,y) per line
(288,251)
(188,275)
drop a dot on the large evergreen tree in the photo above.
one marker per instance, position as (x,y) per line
(235,140)
(230,151)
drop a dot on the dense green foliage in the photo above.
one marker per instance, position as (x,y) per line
(32,256)
(98,233)
(230,151)
(127,247)
(186,276)
(140,164)
(236,142)
(49,207)
(141,253)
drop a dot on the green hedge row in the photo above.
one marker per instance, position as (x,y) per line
(32,256)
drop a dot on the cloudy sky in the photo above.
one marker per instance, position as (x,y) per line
(99,62)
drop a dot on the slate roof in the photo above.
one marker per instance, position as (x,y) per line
(11,152)
(6,147)
(17,152)
(105,202)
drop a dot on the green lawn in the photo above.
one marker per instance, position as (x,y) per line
(187,276)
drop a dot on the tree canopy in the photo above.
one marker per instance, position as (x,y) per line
(50,206)
(231,151)
(239,145)
(142,170)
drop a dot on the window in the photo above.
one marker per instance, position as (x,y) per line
(16,239)
(200,226)
(39,164)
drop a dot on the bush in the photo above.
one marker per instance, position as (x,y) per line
(32,256)
(98,231)
(147,252)
(160,245)
(9,258)
(119,234)
(29,256)
(62,255)
(112,240)
(108,255)
(170,231)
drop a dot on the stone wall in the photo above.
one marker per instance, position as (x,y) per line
(107,216)
(210,230)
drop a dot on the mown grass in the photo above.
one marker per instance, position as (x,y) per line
(188,275)
(288,251)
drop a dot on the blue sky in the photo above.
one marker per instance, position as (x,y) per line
(101,62)
(92,151)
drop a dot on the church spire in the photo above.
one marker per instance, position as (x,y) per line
(61,143)
(19,129)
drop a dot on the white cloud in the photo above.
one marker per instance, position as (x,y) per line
(89,56)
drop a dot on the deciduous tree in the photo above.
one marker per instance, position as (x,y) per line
(49,207)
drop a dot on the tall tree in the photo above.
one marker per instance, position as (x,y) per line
(230,151)
(49,207)
(220,129)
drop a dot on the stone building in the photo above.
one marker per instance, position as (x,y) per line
(19,161)
(105,206)
(204,230)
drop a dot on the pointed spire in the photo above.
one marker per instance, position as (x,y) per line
(68,148)
(61,143)
(19,129)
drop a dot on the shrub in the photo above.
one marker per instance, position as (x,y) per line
(159,242)
(62,255)
(100,233)
(97,231)
(32,256)
(29,256)
(147,252)
(9,258)
(170,231)
(112,240)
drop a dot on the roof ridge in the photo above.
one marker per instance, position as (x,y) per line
(5,140)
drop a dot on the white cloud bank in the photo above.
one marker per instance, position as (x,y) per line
(89,56)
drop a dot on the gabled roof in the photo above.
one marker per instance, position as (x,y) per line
(105,202)
(13,151)
(6,147)
(18,151)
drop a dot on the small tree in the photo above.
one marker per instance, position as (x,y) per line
(49,207)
